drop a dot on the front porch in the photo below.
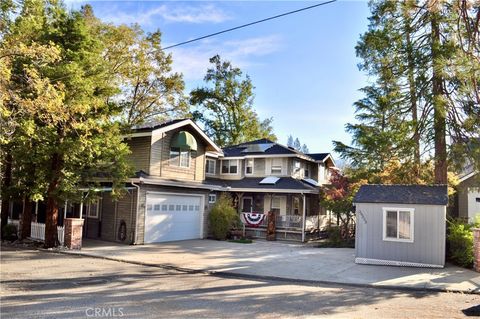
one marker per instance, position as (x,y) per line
(298,217)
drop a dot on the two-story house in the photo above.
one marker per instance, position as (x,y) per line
(266,176)
(180,173)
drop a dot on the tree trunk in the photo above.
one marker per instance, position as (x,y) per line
(439,105)
(412,92)
(52,203)
(26,219)
(6,182)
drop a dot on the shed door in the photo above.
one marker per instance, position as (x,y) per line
(172,217)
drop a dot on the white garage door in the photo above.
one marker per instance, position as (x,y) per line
(172,217)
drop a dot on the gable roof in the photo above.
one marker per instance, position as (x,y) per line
(402,194)
(148,128)
(319,156)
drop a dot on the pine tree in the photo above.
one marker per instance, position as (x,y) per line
(426,52)
(290,141)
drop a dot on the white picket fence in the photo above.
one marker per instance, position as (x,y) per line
(38,230)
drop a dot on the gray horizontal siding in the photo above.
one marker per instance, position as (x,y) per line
(429,235)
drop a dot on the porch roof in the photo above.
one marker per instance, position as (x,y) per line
(252,184)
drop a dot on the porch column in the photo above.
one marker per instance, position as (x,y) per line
(81,208)
(239,203)
(36,211)
(304,213)
(65,212)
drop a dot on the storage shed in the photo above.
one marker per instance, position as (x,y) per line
(401,225)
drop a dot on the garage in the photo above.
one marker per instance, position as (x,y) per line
(171,217)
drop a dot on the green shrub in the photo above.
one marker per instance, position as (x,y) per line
(460,241)
(9,232)
(334,235)
(223,217)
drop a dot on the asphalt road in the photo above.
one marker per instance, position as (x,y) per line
(38,284)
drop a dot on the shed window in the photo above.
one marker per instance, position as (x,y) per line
(398,224)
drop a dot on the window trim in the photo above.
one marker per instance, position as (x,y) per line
(246,165)
(179,161)
(229,160)
(97,211)
(214,196)
(214,166)
(276,166)
(412,224)
(251,201)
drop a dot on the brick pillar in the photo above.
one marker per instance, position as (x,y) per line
(476,249)
(73,232)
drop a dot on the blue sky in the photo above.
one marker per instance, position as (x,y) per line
(303,66)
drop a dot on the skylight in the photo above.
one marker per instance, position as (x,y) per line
(310,181)
(257,148)
(270,180)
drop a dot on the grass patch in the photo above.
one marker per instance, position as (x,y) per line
(241,241)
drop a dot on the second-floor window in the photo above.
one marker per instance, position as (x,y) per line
(210,166)
(249,166)
(307,171)
(179,157)
(276,166)
(229,166)
(296,166)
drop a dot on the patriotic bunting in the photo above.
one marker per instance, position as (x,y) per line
(252,219)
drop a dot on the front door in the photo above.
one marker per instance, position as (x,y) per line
(247,204)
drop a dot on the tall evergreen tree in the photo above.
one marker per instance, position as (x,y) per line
(226,107)
(424,51)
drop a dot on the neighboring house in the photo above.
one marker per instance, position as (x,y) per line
(180,174)
(401,225)
(468,195)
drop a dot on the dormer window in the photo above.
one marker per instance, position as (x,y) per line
(182,146)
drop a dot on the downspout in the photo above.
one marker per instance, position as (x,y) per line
(304,213)
(136,213)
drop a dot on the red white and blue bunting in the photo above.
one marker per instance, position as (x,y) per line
(252,219)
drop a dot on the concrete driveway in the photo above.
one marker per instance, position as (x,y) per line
(284,260)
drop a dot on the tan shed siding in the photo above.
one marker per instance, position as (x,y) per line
(140,153)
(429,235)
(196,171)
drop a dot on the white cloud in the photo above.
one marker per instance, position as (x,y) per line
(168,13)
(193,61)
